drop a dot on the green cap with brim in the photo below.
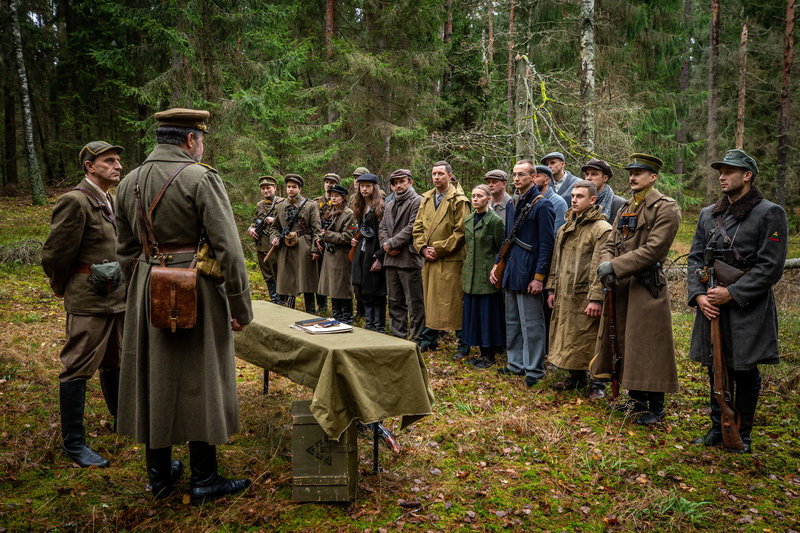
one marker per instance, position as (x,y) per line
(737,158)
(267,180)
(645,161)
(184,118)
(360,170)
(94,149)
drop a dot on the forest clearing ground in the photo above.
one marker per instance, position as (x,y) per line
(494,455)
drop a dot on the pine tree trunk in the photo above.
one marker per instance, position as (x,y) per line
(742,83)
(587,75)
(34,176)
(783,127)
(447,39)
(491,31)
(510,78)
(10,176)
(684,86)
(330,28)
(711,130)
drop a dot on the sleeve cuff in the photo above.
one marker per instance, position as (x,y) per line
(539,277)
(241,307)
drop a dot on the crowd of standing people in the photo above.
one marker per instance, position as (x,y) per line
(560,270)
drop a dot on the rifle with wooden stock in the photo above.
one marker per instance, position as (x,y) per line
(616,357)
(286,230)
(358,236)
(731,420)
(505,249)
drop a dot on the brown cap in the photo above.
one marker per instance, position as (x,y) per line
(184,118)
(600,165)
(331,176)
(360,170)
(267,180)
(496,174)
(400,173)
(298,179)
(95,148)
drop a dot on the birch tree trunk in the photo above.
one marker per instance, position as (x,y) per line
(523,130)
(783,127)
(684,86)
(742,82)
(10,178)
(711,130)
(587,75)
(34,176)
(510,78)
(491,31)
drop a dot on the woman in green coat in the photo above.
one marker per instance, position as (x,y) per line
(483,322)
(335,276)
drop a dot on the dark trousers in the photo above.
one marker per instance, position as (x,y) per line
(406,302)
(375,312)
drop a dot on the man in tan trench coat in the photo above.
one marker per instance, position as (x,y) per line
(574,293)
(631,262)
(439,238)
(83,235)
(178,386)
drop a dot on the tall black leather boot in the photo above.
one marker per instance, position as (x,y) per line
(713,436)
(336,309)
(206,483)
(162,471)
(322,303)
(347,311)
(72,397)
(655,413)
(748,388)
(635,404)
(311,305)
(430,339)
(109,382)
(272,287)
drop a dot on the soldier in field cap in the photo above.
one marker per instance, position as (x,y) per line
(82,239)
(178,386)
(747,234)
(630,264)
(263,220)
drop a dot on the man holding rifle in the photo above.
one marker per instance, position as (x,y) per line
(642,360)
(738,250)
(259,231)
(521,269)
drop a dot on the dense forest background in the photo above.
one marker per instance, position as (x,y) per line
(314,87)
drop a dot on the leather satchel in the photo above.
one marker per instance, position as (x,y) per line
(173,297)
(173,291)
(726,274)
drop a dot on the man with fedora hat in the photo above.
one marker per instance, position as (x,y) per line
(497,180)
(599,172)
(745,234)
(402,263)
(562,179)
(80,260)
(265,217)
(295,230)
(179,385)
(630,266)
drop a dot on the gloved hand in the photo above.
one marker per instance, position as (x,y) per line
(606,275)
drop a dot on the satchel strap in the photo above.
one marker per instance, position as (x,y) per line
(103,205)
(149,243)
(721,227)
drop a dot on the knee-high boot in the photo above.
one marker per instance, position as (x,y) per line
(655,413)
(72,398)
(162,471)
(206,483)
(309,298)
(747,391)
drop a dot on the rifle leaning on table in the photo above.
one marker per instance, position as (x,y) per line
(286,230)
(505,249)
(731,419)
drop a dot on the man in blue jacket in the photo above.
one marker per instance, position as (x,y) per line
(527,266)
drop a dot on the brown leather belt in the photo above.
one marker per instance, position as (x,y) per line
(83,269)
(177,248)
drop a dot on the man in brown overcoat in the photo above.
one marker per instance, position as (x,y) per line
(630,264)
(83,235)
(439,238)
(178,386)
(402,262)
(264,218)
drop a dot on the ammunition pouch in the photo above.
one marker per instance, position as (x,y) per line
(650,278)
(105,277)
(726,274)
(207,262)
(291,239)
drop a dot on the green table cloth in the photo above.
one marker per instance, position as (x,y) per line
(361,374)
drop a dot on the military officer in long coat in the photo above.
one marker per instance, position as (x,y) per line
(336,274)
(264,218)
(630,264)
(294,232)
(574,293)
(82,234)
(439,238)
(178,386)
(749,234)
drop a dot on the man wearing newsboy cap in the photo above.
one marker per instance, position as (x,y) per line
(744,234)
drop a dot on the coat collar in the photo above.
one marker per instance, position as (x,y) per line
(740,207)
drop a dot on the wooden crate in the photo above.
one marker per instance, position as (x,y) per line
(323,470)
